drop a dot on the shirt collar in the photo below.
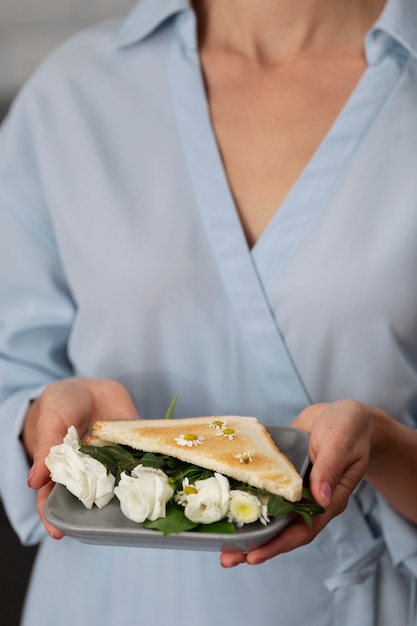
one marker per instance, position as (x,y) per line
(397,23)
(395,28)
(145,18)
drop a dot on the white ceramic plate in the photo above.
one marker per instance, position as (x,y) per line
(108,526)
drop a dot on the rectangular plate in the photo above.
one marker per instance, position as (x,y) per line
(108,526)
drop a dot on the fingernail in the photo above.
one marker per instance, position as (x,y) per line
(55,534)
(31,475)
(254,561)
(326,493)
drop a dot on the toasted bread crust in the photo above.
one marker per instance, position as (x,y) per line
(219,450)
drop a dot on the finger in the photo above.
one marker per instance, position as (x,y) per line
(231,559)
(336,471)
(50,431)
(42,496)
(305,420)
(295,535)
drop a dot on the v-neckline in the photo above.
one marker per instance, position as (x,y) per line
(316,182)
(319,180)
(246,272)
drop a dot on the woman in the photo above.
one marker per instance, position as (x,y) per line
(143,255)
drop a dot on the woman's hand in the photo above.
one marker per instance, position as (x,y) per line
(341,436)
(78,402)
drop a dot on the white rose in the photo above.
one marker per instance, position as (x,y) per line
(211,502)
(85,477)
(144,494)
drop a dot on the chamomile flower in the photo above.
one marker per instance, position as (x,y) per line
(182,495)
(244,508)
(217,424)
(244,457)
(189,440)
(229,433)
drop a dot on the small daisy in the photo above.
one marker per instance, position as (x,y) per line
(217,424)
(229,433)
(189,440)
(182,495)
(244,457)
(244,508)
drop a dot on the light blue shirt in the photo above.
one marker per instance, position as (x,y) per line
(122,256)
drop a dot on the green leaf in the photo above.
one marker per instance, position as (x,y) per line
(194,473)
(307,517)
(170,408)
(174,522)
(307,507)
(277,506)
(221,527)
(149,459)
(311,508)
(108,455)
(307,495)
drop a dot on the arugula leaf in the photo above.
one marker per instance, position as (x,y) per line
(174,522)
(307,507)
(109,455)
(277,506)
(222,527)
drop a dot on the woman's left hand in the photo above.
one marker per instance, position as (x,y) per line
(340,444)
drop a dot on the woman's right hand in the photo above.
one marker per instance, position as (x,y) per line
(75,402)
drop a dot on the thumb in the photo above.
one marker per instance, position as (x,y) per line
(326,474)
(77,402)
(335,473)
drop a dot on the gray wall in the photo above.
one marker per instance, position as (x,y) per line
(29,29)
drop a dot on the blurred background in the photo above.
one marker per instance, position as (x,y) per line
(29,30)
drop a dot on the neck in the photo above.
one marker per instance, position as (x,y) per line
(271,31)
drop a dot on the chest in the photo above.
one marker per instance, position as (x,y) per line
(269,122)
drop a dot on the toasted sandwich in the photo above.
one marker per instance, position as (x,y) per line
(237,447)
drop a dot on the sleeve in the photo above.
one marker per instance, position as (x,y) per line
(400,538)
(400,535)
(36,307)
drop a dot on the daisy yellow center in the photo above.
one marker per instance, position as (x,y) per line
(190,437)
(229,431)
(245,457)
(190,489)
(217,423)
(245,508)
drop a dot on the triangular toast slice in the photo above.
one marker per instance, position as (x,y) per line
(238,447)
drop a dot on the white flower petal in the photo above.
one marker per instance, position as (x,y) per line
(85,477)
(211,502)
(144,494)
